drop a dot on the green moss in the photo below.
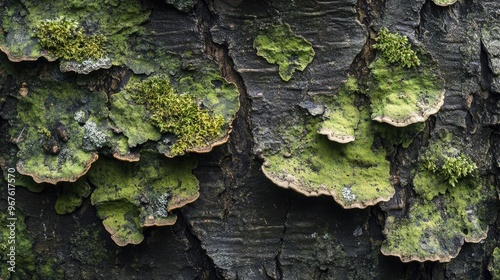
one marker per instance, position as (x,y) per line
(51,107)
(435,230)
(341,116)
(141,192)
(25,261)
(132,119)
(355,174)
(183,5)
(494,265)
(401,96)
(280,46)
(441,165)
(179,114)
(50,270)
(117,21)
(396,49)
(72,196)
(67,40)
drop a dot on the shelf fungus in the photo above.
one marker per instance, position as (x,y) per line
(193,114)
(401,95)
(444,3)
(341,116)
(131,196)
(436,230)
(355,174)
(53,146)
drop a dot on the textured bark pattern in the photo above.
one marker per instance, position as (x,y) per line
(243,226)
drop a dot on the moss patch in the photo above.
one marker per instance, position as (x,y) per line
(129,196)
(441,166)
(72,196)
(67,40)
(401,96)
(24,259)
(396,49)
(280,46)
(494,265)
(51,141)
(341,116)
(399,135)
(435,230)
(116,20)
(355,174)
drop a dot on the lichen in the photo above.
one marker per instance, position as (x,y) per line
(130,196)
(401,96)
(281,46)
(355,174)
(341,116)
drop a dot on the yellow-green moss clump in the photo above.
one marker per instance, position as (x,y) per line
(193,116)
(396,49)
(441,166)
(130,196)
(355,174)
(280,46)
(67,40)
(71,196)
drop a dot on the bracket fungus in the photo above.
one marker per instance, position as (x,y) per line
(131,196)
(435,230)
(279,45)
(341,115)
(355,174)
(444,3)
(51,142)
(446,212)
(404,92)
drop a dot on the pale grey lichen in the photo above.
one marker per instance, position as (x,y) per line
(93,137)
(80,117)
(348,195)
(160,205)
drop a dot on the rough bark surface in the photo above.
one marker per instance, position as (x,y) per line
(243,226)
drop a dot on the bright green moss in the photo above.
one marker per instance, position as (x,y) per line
(494,265)
(435,230)
(130,196)
(401,96)
(179,114)
(72,196)
(355,174)
(67,40)
(117,21)
(280,46)
(341,116)
(396,49)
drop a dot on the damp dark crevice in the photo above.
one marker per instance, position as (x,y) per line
(277,258)
(208,269)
